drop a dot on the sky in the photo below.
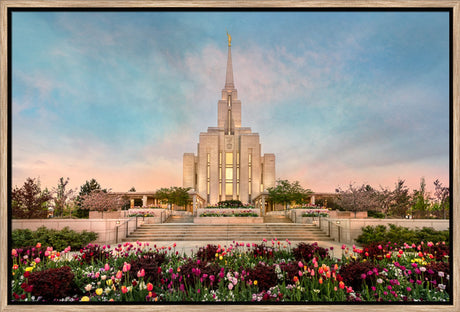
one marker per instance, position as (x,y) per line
(338,97)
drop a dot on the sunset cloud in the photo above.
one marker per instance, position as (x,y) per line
(338,97)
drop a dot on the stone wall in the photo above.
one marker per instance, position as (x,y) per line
(348,230)
(105,228)
(108,214)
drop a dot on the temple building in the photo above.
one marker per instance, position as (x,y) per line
(229,163)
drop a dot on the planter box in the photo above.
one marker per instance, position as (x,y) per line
(228,220)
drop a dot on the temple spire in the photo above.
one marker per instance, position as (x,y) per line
(229,77)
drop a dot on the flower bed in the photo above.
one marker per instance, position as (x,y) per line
(145,212)
(315,213)
(236,273)
(232,213)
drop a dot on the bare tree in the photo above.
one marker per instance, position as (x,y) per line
(62,196)
(442,195)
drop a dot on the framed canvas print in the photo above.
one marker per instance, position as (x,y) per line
(229,156)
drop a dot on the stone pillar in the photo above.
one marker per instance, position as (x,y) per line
(144,201)
(312,199)
(194,204)
(131,205)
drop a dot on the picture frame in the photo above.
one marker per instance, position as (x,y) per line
(5,123)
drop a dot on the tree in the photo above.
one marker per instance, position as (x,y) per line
(286,192)
(86,189)
(442,195)
(400,200)
(174,195)
(421,201)
(61,196)
(29,201)
(101,201)
(90,186)
(363,198)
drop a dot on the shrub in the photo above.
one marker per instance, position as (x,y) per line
(400,235)
(374,252)
(193,270)
(53,284)
(375,214)
(353,272)
(48,237)
(230,203)
(433,270)
(207,253)
(290,269)
(93,253)
(265,276)
(262,251)
(306,252)
(151,263)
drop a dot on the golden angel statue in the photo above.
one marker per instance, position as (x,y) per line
(229,40)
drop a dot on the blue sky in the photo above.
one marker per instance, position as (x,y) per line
(338,97)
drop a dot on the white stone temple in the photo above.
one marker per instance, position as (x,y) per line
(229,163)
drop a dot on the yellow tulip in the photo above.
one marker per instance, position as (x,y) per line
(84,298)
(99,291)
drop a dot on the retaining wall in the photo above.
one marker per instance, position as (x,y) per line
(105,228)
(348,230)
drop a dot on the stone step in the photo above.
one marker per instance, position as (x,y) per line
(180,219)
(208,232)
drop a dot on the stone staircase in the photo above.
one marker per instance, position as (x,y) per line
(227,232)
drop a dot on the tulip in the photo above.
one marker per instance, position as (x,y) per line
(141,273)
(149,286)
(99,291)
(84,298)
(119,275)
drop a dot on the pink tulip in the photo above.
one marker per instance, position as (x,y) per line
(141,273)
(107,267)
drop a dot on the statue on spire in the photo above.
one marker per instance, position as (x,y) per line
(229,40)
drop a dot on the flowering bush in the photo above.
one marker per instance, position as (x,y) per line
(231,204)
(144,212)
(232,213)
(240,272)
(316,213)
